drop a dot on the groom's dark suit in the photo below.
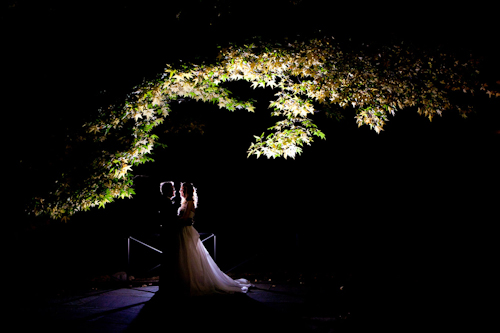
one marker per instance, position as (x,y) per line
(170,243)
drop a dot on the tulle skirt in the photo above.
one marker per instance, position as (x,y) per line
(198,273)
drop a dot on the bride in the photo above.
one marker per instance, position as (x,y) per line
(197,272)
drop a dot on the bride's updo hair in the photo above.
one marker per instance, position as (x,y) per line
(188,192)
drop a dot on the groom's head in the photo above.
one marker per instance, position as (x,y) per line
(168,189)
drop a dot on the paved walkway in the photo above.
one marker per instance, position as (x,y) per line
(267,307)
(110,310)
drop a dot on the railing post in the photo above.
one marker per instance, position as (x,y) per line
(215,250)
(128,256)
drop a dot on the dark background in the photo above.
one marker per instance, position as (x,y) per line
(430,214)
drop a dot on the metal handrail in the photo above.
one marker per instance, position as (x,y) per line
(159,251)
(138,241)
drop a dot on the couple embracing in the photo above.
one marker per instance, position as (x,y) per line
(189,270)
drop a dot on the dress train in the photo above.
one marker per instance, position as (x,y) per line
(198,273)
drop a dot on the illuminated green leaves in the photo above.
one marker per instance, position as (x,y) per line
(375,82)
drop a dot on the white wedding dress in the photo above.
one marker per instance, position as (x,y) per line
(198,272)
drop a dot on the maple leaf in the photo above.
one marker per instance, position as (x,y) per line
(222,103)
(271,84)
(94,129)
(148,113)
(147,149)
(136,115)
(123,171)
(156,100)
(179,76)
(188,75)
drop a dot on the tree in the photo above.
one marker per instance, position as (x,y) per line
(320,73)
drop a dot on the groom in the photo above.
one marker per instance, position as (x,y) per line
(169,235)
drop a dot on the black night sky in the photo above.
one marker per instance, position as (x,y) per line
(432,214)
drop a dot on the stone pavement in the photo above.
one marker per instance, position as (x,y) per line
(266,308)
(110,310)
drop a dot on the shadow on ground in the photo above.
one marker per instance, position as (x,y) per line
(224,313)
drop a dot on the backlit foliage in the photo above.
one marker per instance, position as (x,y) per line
(375,82)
